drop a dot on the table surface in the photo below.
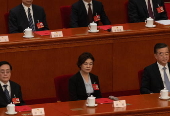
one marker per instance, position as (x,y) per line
(135,103)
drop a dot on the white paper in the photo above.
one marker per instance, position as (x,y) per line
(120,103)
(56,34)
(117,28)
(4,39)
(38,111)
(163,22)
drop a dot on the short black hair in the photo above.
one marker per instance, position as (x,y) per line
(158,46)
(83,57)
(5,62)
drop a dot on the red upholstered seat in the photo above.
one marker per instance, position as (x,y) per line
(167,6)
(6,17)
(61,87)
(65,16)
(140,75)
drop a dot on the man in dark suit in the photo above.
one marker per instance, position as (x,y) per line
(157,76)
(82,15)
(140,10)
(27,15)
(9,90)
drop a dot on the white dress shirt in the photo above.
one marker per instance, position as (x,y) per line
(162,72)
(31,11)
(8,87)
(87,6)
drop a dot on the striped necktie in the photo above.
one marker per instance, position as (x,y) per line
(7,93)
(166,80)
(31,24)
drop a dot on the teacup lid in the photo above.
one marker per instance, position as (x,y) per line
(91,97)
(11,104)
(93,23)
(164,89)
(28,28)
(150,18)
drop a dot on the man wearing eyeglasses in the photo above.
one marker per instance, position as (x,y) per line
(156,76)
(9,90)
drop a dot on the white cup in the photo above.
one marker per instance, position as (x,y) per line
(28,32)
(93,27)
(149,22)
(164,94)
(91,101)
(10,108)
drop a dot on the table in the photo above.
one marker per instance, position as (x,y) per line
(140,105)
(118,57)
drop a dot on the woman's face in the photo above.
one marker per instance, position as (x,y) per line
(87,66)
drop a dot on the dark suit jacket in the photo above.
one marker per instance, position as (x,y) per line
(15,90)
(79,17)
(77,90)
(152,80)
(137,10)
(18,20)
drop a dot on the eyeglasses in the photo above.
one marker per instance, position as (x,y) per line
(5,71)
(163,53)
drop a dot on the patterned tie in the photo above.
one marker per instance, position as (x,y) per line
(90,15)
(7,93)
(166,80)
(31,24)
(150,10)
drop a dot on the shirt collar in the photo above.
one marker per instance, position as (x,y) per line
(160,66)
(26,8)
(86,3)
(4,83)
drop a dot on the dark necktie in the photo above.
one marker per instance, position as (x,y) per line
(7,93)
(90,15)
(150,10)
(166,80)
(31,24)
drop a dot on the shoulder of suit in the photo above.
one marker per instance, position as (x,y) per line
(17,8)
(152,66)
(36,6)
(92,75)
(13,83)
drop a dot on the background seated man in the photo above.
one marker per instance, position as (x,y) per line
(86,11)
(156,76)
(140,10)
(27,15)
(9,90)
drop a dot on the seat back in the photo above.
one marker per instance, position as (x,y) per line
(61,87)
(140,75)
(167,7)
(65,16)
(6,17)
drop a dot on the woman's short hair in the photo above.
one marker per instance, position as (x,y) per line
(83,57)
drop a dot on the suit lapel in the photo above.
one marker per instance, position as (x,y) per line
(143,4)
(23,15)
(82,6)
(82,83)
(158,75)
(2,94)
(155,5)
(94,8)
(12,89)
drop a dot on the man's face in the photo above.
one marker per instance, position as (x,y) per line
(5,73)
(27,2)
(88,0)
(162,55)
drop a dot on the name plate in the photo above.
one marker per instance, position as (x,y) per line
(4,39)
(117,28)
(38,111)
(56,34)
(120,103)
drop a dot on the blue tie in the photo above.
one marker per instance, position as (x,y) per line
(31,24)
(166,80)
(7,93)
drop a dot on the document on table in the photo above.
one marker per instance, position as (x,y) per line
(163,22)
